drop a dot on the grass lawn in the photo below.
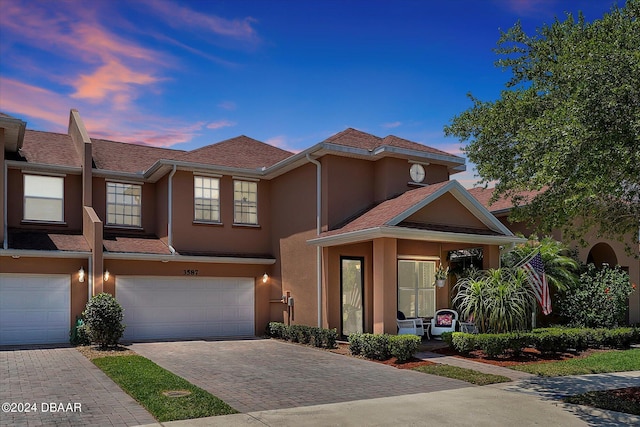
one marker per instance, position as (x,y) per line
(145,381)
(622,400)
(468,375)
(596,363)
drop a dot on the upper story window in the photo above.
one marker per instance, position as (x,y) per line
(245,202)
(124,204)
(206,192)
(43,198)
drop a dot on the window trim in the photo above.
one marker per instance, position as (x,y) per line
(115,224)
(235,202)
(195,209)
(61,177)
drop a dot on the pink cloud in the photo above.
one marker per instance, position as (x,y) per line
(221,124)
(281,141)
(179,16)
(17,97)
(527,7)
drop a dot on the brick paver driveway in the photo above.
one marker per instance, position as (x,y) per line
(61,387)
(256,375)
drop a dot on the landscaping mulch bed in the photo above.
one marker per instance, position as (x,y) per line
(528,356)
(93,352)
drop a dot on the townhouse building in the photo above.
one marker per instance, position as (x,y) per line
(219,241)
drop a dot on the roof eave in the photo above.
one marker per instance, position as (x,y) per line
(412,234)
(44,167)
(14,133)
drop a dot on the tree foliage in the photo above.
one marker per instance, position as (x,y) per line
(599,300)
(560,265)
(567,125)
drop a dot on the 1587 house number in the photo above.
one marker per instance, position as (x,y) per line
(190,272)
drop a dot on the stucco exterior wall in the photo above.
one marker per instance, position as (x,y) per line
(220,238)
(293,222)
(447,210)
(72,201)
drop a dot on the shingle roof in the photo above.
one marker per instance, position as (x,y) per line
(42,240)
(483,195)
(238,152)
(124,157)
(49,148)
(384,212)
(135,244)
(357,139)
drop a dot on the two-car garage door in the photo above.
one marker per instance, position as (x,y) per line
(34,309)
(179,307)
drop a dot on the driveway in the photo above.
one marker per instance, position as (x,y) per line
(59,386)
(259,375)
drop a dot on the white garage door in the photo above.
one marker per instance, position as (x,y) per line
(178,307)
(34,309)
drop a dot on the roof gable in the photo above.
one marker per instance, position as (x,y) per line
(411,206)
(238,152)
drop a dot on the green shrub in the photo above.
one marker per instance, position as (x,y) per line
(78,334)
(376,346)
(311,335)
(103,320)
(546,340)
(599,300)
(355,343)
(403,347)
(462,342)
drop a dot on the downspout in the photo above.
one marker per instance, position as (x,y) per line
(5,243)
(318,231)
(170,213)
(89,278)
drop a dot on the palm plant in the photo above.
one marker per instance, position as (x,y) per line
(560,267)
(498,300)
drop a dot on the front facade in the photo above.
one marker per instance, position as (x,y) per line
(218,241)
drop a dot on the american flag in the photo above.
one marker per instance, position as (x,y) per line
(538,280)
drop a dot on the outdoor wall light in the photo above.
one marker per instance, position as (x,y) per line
(106,275)
(81,275)
(265,278)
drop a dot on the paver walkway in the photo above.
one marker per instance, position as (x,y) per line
(476,366)
(258,375)
(44,378)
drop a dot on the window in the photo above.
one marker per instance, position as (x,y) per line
(123,204)
(245,202)
(206,198)
(43,198)
(416,293)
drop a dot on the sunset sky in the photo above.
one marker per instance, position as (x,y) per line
(184,74)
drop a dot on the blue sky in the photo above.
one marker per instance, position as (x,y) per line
(291,73)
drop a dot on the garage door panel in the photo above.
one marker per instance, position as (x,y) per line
(176,307)
(34,309)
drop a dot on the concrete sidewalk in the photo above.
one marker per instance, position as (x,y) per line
(531,401)
(472,406)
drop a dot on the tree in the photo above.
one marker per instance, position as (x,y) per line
(561,268)
(567,125)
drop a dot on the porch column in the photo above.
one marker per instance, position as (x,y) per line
(385,285)
(490,257)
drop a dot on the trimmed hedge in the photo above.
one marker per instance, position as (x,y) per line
(545,340)
(310,335)
(384,346)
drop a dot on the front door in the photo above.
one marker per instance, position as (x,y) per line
(351,290)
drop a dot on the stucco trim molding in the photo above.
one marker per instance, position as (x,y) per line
(413,234)
(187,258)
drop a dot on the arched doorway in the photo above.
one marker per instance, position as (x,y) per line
(602,253)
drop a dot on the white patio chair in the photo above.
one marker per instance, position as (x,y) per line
(445,320)
(412,326)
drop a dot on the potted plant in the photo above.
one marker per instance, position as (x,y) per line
(441,275)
